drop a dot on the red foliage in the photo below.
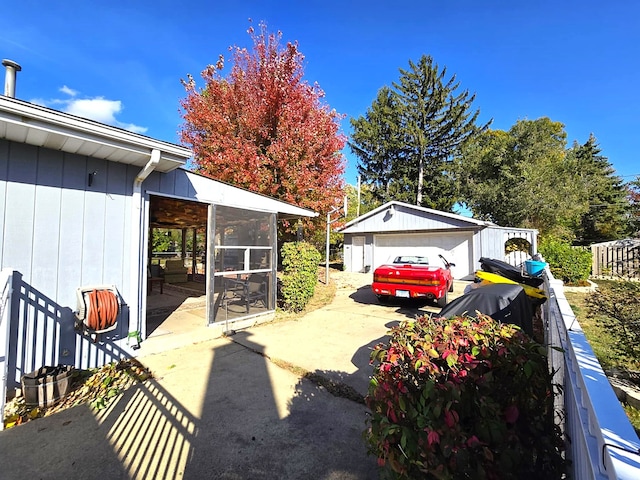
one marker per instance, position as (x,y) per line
(462,398)
(263,128)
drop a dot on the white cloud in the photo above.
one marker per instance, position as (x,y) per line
(95,108)
(99,109)
(132,128)
(69,91)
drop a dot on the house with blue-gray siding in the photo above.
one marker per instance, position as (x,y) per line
(78,200)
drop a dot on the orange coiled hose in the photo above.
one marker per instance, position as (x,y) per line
(102,310)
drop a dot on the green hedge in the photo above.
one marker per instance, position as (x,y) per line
(570,264)
(299,274)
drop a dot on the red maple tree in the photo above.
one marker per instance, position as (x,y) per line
(263,128)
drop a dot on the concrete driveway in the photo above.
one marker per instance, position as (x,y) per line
(223,408)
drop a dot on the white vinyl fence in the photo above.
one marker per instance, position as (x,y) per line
(601,443)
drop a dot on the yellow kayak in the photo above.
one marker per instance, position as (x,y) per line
(532,292)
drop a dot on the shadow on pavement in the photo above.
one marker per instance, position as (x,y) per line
(407,307)
(145,433)
(263,422)
(215,410)
(361,358)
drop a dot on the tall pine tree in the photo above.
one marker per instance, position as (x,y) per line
(633,196)
(377,141)
(608,211)
(429,122)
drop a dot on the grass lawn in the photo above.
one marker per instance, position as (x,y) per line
(603,345)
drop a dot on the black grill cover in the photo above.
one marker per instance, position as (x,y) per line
(506,303)
(499,267)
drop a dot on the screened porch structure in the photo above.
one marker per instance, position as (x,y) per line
(232,257)
(241,263)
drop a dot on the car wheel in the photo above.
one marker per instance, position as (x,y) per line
(442,301)
(451,287)
(383,298)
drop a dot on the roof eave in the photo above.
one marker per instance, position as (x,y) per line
(469,220)
(39,126)
(234,196)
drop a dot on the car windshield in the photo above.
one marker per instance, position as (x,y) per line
(411,259)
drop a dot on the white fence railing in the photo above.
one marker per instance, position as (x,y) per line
(6,288)
(601,443)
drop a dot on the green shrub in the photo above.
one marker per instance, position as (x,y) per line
(462,398)
(299,274)
(572,265)
(616,307)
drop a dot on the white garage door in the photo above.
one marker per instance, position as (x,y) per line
(455,247)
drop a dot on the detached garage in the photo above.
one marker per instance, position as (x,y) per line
(398,228)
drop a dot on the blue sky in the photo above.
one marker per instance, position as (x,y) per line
(576,62)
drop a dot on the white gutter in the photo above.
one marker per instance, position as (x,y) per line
(137,279)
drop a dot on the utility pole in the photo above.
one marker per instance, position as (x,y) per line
(358,207)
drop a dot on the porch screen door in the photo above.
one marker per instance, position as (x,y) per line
(241,263)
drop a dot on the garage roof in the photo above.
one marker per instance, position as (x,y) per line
(32,124)
(399,216)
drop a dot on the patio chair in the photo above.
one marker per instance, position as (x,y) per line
(175,271)
(256,290)
(155,274)
(248,292)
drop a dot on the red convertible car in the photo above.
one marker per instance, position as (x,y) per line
(411,276)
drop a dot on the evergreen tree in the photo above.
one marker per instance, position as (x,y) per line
(607,217)
(633,196)
(377,142)
(408,139)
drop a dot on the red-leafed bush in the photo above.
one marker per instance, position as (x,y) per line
(463,398)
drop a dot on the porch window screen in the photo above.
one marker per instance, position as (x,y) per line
(242,256)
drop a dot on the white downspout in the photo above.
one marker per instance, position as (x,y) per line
(137,279)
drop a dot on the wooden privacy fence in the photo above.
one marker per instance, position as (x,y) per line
(614,261)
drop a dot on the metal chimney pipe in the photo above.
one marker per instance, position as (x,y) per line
(11,68)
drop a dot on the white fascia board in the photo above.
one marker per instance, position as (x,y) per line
(209,190)
(382,208)
(31,117)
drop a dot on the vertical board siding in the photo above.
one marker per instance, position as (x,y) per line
(47,220)
(182,185)
(115,227)
(4,167)
(59,233)
(70,257)
(492,244)
(94,226)
(167,183)
(153,182)
(19,207)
